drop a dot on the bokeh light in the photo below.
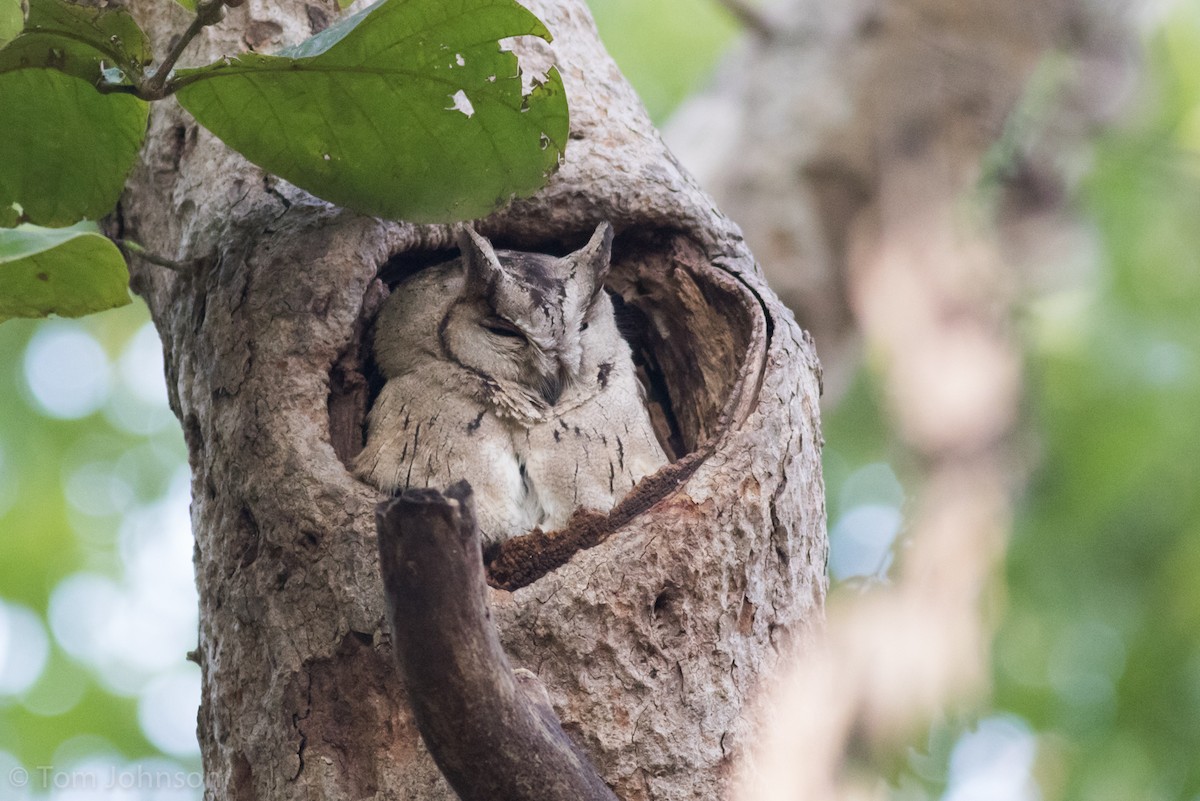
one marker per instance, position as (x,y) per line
(139,400)
(60,689)
(994,762)
(131,630)
(862,537)
(67,371)
(167,710)
(860,543)
(11,767)
(24,648)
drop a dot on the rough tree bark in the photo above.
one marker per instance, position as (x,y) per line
(651,643)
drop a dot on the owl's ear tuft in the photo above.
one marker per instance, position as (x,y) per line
(483,267)
(596,255)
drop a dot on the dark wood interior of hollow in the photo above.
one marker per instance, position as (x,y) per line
(694,332)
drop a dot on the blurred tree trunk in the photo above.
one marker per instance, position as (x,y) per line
(834,125)
(651,643)
(897,165)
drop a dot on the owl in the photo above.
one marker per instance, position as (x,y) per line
(506,369)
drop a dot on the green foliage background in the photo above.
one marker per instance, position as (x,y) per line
(46,537)
(1100,647)
(1097,656)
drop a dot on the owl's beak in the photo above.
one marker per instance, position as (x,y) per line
(552,387)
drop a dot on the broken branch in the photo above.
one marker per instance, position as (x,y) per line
(489,732)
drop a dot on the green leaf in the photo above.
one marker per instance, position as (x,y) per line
(12,20)
(68,271)
(76,145)
(78,40)
(364,114)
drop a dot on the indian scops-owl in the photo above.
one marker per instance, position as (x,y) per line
(507,369)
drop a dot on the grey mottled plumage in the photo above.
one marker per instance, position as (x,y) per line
(506,368)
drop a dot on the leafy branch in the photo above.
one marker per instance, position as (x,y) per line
(408,109)
(135,249)
(208,12)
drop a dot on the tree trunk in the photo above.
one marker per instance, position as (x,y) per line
(901,167)
(651,643)
(834,123)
